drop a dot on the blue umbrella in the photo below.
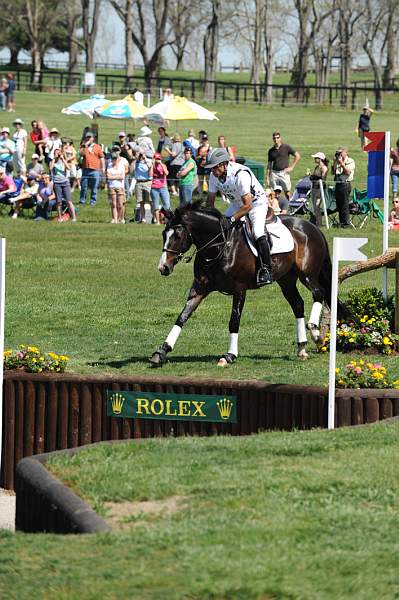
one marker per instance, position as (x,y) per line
(126,108)
(86,107)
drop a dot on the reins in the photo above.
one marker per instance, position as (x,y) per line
(210,244)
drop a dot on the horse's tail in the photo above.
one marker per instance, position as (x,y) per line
(325,277)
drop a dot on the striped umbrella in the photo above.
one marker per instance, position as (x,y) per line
(178,108)
(126,108)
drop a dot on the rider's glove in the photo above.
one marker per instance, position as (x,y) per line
(232,222)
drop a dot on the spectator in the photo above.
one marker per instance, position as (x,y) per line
(319,174)
(62,188)
(7,149)
(69,152)
(175,152)
(283,203)
(39,137)
(92,162)
(46,199)
(159,187)
(168,94)
(186,176)
(272,200)
(394,214)
(126,152)
(222,144)
(20,139)
(7,184)
(395,169)
(192,139)
(10,92)
(3,92)
(143,170)
(278,167)
(115,178)
(144,143)
(343,169)
(364,125)
(202,153)
(164,140)
(54,143)
(28,196)
(186,144)
(34,167)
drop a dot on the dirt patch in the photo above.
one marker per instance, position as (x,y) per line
(124,515)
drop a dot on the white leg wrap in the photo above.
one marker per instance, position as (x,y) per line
(233,347)
(301,331)
(173,335)
(315,313)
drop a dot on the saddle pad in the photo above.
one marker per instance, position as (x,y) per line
(282,240)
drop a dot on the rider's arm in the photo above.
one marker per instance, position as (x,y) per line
(245,208)
(211,199)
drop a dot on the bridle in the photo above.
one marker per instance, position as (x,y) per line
(211,244)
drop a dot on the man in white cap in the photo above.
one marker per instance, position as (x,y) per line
(7,149)
(20,139)
(35,167)
(144,142)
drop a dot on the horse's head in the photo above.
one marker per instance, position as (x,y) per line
(176,241)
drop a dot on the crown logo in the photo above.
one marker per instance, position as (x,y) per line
(224,407)
(117,402)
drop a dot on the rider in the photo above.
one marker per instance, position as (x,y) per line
(247,197)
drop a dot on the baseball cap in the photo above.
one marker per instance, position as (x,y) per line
(319,155)
(35,156)
(157,155)
(121,134)
(87,134)
(114,155)
(277,188)
(5,130)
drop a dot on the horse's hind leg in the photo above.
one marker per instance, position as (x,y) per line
(194,299)
(234,326)
(295,300)
(318,294)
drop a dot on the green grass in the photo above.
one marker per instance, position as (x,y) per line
(92,290)
(280,515)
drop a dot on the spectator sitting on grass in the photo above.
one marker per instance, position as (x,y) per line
(281,199)
(27,198)
(7,150)
(46,199)
(34,167)
(7,185)
(39,136)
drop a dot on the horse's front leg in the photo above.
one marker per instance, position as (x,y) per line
(234,326)
(194,299)
(291,294)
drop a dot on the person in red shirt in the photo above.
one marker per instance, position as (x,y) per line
(38,136)
(93,168)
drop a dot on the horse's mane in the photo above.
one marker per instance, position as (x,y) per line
(197,206)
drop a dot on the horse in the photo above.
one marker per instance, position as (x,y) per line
(225,263)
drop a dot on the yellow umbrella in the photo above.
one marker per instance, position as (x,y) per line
(178,108)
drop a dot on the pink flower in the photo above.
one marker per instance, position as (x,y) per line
(363,330)
(358,370)
(20,354)
(376,366)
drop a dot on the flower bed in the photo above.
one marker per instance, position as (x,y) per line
(362,375)
(32,360)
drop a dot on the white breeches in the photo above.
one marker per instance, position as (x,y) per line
(257,215)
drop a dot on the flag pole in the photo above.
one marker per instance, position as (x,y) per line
(387,151)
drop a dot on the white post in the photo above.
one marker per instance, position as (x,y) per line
(386,210)
(323,201)
(343,249)
(333,334)
(2,303)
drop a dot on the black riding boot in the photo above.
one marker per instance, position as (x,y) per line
(264,275)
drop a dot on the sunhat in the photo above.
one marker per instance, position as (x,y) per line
(5,130)
(17,122)
(35,156)
(319,155)
(54,130)
(145,130)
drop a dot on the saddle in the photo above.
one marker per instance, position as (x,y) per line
(278,235)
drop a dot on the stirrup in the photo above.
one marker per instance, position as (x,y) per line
(264,277)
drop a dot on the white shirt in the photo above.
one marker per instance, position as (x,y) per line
(19,137)
(118,170)
(239,181)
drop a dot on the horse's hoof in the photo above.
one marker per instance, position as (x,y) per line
(226,360)
(302,354)
(157,360)
(315,334)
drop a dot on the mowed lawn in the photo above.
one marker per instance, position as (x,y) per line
(274,516)
(92,290)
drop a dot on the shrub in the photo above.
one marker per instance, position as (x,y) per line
(360,375)
(30,359)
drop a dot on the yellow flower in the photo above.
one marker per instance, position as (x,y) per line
(337,370)
(340,381)
(33,349)
(377,375)
(7,353)
(351,340)
(363,320)
(387,341)
(361,362)
(323,349)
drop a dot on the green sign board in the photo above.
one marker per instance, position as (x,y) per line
(184,407)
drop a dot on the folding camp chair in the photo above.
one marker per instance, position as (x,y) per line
(7,199)
(331,206)
(362,208)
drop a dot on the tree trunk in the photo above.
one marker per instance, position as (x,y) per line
(388,78)
(269,53)
(257,47)
(128,39)
(211,48)
(14,51)
(73,51)
(36,65)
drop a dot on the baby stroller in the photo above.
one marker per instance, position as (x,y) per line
(300,200)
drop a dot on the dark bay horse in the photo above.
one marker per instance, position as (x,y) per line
(224,263)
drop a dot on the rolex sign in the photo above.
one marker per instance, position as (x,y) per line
(177,407)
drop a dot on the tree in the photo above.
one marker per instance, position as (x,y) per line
(348,16)
(182,15)
(211,49)
(124,10)
(391,44)
(90,21)
(374,17)
(323,47)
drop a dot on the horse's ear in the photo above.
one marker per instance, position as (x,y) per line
(167,214)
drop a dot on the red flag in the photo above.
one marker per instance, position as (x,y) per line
(376,141)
